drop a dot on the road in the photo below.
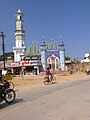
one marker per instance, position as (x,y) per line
(61,101)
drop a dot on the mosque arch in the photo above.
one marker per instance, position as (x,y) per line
(53,61)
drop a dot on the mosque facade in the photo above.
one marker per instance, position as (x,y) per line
(50,55)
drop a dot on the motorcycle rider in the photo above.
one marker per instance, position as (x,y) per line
(1,83)
(48,73)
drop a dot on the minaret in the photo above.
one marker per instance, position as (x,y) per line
(43,55)
(19,48)
(35,47)
(62,55)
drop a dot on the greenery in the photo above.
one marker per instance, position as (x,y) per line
(67,58)
(9,55)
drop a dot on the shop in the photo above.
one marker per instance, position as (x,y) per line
(29,64)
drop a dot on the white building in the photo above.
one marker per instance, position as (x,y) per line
(19,48)
(86,58)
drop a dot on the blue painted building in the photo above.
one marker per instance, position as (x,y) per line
(53,56)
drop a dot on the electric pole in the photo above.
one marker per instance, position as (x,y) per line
(3,48)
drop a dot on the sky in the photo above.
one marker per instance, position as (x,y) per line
(51,19)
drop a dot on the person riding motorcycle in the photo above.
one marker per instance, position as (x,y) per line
(48,73)
(1,83)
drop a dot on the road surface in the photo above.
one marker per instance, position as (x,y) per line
(61,101)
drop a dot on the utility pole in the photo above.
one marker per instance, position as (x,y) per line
(3,48)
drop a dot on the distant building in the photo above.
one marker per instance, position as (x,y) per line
(86,58)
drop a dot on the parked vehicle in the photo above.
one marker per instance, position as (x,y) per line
(87,72)
(49,80)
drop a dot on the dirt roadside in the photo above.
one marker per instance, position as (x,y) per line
(33,81)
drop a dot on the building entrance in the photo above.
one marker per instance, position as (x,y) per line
(53,62)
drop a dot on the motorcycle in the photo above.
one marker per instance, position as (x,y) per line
(8,84)
(51,79)
(6,93)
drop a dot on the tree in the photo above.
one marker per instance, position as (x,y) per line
(67,58)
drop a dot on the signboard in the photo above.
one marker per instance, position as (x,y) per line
(28,63)
(23,67)
(14,65)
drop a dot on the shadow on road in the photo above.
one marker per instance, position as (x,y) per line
(4,104)
(50,83)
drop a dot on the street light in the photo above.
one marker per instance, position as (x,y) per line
(3,48)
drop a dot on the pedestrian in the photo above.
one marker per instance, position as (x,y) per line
(22,74)
(0,77)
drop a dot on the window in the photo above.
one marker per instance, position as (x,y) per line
(27,59)
(34,58)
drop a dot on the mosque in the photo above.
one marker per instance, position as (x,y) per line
(50,55)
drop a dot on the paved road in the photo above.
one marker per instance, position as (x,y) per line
(65,101)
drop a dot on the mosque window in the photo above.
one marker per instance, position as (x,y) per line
(56,60)
(20,17)
(34,58)
(21,26)
(49,60)
(26,58)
